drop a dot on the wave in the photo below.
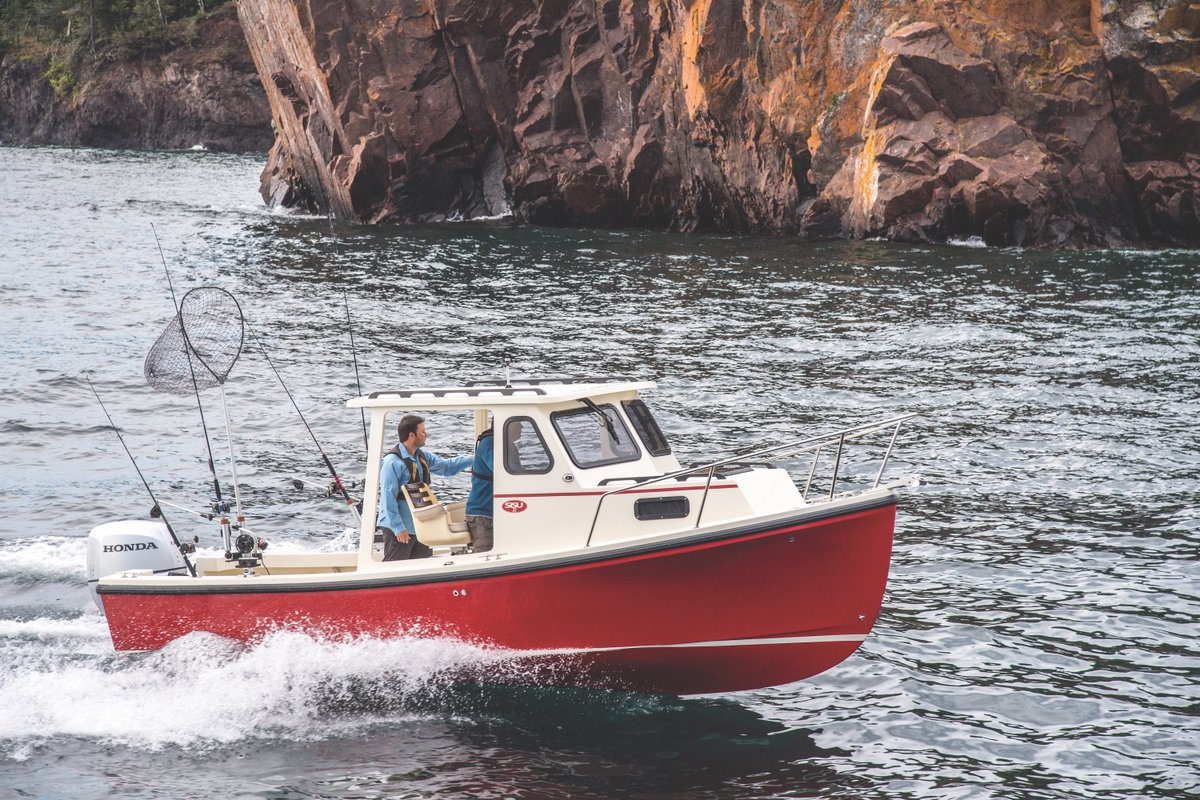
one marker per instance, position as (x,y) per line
(45,559)
(377,709)
(976,242)
(204,691)
(57,634)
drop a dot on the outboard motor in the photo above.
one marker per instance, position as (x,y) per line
(130,545)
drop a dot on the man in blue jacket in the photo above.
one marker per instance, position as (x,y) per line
(408,462)
(479,501)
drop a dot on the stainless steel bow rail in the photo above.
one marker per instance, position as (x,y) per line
(813,444)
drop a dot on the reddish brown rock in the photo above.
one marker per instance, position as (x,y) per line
(1169,198)
(1038,134)
(1019,121)
(1153,53)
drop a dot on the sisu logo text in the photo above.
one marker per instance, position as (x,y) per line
(514,505)
(125,548)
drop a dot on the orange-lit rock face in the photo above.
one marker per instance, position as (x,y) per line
(944,155)
(927,119)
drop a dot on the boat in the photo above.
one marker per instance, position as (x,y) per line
(614,564)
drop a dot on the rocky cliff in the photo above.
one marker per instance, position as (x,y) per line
(204,93)
(1029,122)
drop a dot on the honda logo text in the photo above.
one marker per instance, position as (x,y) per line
(125,548)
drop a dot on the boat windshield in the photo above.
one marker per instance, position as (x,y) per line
(592,440)
(647,429)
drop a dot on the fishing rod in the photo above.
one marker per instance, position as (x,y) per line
(328,464)
(222,509)
(183,551)
(354,353)
(349,327)
(195,513)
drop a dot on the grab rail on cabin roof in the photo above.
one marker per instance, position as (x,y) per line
(814,444)
(552,381)
(495,386)
(462,391)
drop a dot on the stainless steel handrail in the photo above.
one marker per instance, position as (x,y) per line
(813,443)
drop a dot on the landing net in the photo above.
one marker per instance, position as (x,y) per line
(200,345)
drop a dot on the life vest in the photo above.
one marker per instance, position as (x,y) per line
(421,475)
(474,472)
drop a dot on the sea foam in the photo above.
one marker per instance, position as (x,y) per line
(42,559)
(205,691)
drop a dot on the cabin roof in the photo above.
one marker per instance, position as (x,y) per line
(488,394)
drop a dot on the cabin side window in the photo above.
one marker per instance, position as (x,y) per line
(647,429)
(595,439)
(525,451)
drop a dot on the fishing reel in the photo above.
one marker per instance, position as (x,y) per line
(248,551)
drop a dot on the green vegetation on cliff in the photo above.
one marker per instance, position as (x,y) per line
(69,32)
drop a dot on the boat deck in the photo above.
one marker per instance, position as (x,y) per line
(283,564)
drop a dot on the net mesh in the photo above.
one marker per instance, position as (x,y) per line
(200,345)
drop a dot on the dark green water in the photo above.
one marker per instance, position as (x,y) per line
(1038,638)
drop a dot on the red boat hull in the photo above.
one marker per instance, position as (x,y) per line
(742,609)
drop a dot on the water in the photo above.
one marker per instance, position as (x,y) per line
(1038,638)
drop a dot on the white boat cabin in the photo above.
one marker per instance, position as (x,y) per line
(563,450)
